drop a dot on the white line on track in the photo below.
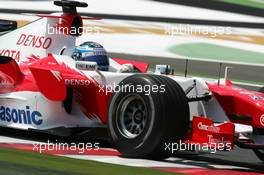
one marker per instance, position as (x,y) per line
(171,162)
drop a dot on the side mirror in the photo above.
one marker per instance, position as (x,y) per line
(86,65)
(6,25)
(226,73)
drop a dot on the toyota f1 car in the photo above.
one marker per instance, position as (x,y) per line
(44,89)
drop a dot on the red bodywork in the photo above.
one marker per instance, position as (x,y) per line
(204,132)
(54,87)
(52,79)
(240,105)
(10,75)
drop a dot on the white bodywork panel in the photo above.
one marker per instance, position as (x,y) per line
(50,114)
(35,38)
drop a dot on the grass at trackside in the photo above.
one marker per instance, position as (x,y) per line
(14,162)
(217,52)
(250,3)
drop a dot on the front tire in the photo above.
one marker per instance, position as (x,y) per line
(259,152)
(140,123)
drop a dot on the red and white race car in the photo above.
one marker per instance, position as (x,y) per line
(147,115)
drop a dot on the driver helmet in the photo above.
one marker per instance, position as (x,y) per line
(92,52)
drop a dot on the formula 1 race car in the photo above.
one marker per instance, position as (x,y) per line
(44,88)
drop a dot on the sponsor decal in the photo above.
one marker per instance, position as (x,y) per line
(11,53)
(262,120)
(31,58)
(211,139)
(252,95)
(57,75)
(20,116)
(86,65)
(96,52)
(34,41)
(211,128)
(256,97)
(75,82)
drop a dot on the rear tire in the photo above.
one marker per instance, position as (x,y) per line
(140,124)
(67,103)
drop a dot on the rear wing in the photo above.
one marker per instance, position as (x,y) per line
(50,34)
(70,6)
(6,25)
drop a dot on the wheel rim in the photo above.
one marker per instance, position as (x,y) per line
(131,116)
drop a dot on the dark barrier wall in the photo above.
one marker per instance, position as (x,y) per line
(217,5)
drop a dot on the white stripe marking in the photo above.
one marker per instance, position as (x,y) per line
(57,75)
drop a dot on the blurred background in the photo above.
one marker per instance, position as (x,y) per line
(206,32)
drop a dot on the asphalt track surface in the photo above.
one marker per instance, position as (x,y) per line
(242,159)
